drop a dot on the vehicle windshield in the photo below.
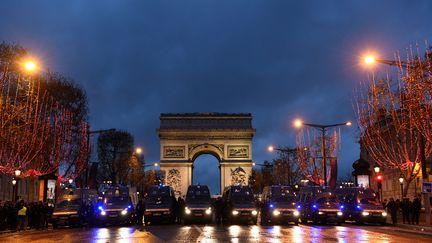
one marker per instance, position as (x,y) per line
(116,201)
(158,193)
(327,200)
(198,194)
(282,194)
(68,203)
(368,199)
(243,194)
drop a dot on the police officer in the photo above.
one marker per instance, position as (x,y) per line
(405,206)
(415,210)
(392,209)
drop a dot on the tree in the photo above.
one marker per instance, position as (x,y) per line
(286,167)
(388,130)
(115,149)
(43,120)
(261,178)
(309,154)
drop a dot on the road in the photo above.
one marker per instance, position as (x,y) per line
(212,233)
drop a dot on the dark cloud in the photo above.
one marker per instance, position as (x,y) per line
(275,59)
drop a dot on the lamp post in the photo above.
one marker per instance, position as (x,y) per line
(401,180)
(13,189)
(15,183)
(379,179)
(323,128)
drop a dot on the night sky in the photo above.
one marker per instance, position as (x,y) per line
(278,60)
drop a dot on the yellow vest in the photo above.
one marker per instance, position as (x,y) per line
(22,211)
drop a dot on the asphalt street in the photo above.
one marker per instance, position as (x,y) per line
(212,233)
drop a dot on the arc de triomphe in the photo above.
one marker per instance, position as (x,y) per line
(184,137)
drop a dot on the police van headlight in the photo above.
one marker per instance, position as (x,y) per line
(124,212)
(339,213)
(103,213)
(208,211)
(365,213)
(276,212)
(384,214)
(296,213)
(320,212)
(187,210)
(235,212)
(254,212)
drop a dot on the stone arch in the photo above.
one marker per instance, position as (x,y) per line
(205,148)
(184,137)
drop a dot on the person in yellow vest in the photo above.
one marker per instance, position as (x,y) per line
(22,213)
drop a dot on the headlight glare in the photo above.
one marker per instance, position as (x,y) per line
(339,213)
(384,214)
(276,212)
(254,212)
(296,213)
(187,210)
(365,213)
(235,212)
(124,212)
(208,211)
(103,213)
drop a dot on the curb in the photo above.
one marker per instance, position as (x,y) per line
(7,231)
(415,230)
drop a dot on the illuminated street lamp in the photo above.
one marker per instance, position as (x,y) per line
(370,60)
(30,66)
(138,150)
(154,164)
(14,182)
(17,173)
(285,150)
(323,128)
(70,181)
(376,168)
(401,180)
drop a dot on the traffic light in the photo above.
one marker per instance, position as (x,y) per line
(379,179)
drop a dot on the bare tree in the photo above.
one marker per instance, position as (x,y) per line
(115,149)
(309,147)
(286,169)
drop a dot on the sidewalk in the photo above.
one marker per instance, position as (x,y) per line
(411,228)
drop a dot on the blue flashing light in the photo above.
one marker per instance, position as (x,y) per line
(315,206)
(298,206)
(100,208)
(271,206)
(129,206)
(358,207)
(342,207)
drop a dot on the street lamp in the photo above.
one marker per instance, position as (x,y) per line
(401,180)
(285,150)
(138,150)
(370,60)
(70,181)
(323,128)
(17,173)
(376,168)
(14,182)
(154,164)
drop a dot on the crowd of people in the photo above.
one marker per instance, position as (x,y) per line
(22,215)
(410,210)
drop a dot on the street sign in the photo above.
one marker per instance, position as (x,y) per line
(427,187)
